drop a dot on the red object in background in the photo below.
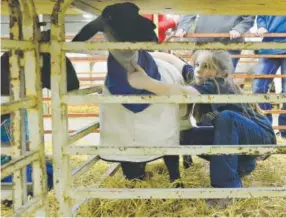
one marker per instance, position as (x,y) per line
(164,24)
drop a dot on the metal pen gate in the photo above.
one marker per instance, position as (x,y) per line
(25,58)
(62,150)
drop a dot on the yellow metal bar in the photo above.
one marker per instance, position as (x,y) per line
(178,99)
(18,163)
(8,44)
(7,149)
(30,207)
(15,87)
(110,172)
(93,46)
(175,149)
(90,46)
(85,166)
(8,185)
(208,7)
(23,103)
(83,132)
(156,22)
(31,32)
(174,193)
(62,171)
(42,7)
(87,91)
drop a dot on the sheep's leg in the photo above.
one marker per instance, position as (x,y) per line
(172,164)
(132,170)
(187,159)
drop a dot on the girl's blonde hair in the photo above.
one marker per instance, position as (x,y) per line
(221,62)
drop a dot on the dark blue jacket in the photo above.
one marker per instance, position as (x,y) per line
(273,24)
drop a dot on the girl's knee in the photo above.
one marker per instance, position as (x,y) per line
(225,117)
(226,114)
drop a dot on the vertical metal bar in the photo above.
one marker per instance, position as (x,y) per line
(23,136)
(44,93)
(15,71)
(156,22)
(62,170)
(90,73)
(34,88)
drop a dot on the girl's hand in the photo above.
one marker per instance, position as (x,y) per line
(139,78)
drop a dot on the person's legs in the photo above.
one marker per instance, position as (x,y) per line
(50,174)
(133,170)
(282,117)
(234,129)
(266,66)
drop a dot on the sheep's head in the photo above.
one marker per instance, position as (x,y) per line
(127,24)
(121,22)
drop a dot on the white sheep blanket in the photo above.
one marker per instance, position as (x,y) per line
(157,125)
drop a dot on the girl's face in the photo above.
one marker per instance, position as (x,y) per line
(203,68)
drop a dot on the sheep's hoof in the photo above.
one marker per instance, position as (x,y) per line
(177,183)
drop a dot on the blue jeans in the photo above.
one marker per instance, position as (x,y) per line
(29,171)
(235,60)
(270,66)
(230,128)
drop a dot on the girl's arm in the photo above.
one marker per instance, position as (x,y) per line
(140,80)
(171,59)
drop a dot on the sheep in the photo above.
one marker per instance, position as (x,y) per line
(135,124)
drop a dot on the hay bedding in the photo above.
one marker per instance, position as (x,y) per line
(271,172)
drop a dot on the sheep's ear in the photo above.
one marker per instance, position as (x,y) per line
(147,23)
(147,29)
(131,6)
(90,29)
(108,12)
